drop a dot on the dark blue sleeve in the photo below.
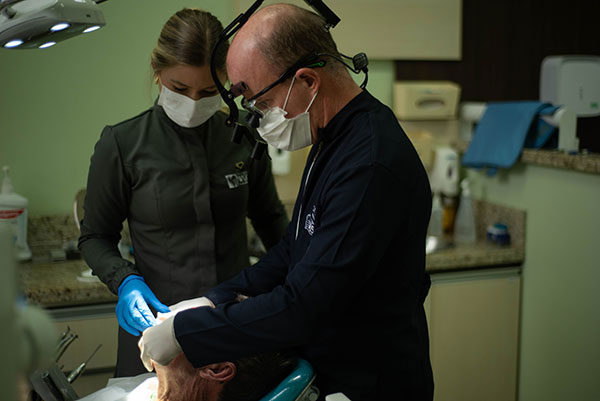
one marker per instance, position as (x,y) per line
(269,272)
(359,217)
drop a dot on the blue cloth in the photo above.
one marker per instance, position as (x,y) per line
(132,309)
(504,129)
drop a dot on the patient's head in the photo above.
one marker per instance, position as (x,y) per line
(245,379)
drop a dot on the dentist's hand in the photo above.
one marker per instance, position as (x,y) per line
(185,305)
(159,344)
(133,312)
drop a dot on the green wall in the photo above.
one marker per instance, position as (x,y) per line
(55,102)
(560,322)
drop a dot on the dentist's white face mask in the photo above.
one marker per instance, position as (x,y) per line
(186,112)
(286,133)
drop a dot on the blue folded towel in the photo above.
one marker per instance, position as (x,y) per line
(503,130)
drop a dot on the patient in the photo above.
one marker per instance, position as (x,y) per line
(242,380)
(245,379)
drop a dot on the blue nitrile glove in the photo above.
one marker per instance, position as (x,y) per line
(133,313)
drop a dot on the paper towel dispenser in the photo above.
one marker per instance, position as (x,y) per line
(426,100)
(574,81)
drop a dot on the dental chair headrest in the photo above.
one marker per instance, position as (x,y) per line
(296,386)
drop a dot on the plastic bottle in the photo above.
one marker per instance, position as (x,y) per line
(464,227)
(435,223)
(13,212)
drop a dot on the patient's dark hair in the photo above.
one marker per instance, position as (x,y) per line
(257,375)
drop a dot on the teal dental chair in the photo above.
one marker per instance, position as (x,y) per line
(297,386)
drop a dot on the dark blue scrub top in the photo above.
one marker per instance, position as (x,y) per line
(347,292)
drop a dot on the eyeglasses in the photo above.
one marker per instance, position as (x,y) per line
(257,108)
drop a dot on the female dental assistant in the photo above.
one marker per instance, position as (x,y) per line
(183,187)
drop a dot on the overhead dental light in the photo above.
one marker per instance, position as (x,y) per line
(32,24)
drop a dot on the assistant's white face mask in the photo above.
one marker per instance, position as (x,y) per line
(286,133)
(186,112)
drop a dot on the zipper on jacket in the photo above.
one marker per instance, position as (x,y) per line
(305,185)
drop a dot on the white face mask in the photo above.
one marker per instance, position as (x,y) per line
(286,133)
(186,112)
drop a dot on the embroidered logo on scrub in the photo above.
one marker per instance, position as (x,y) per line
(237,179)
(309,223)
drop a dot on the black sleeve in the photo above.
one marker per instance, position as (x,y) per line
(357,224)
(265,210)
(105,208)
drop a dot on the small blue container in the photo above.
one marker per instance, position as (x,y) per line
(498,233)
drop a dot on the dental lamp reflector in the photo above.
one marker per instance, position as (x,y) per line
(91,29)
(13,43)
(47,44)
(59,27)
(37,22)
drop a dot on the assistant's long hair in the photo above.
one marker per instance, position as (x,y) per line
(188,37)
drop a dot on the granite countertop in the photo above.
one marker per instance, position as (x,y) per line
(582,161)
(59,284)
(64,283)
(478,255)
(55,284)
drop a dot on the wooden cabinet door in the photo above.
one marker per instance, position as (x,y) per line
(474,330)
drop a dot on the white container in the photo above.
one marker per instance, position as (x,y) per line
(13,213)
(444,174)
(464,226)
(435,222)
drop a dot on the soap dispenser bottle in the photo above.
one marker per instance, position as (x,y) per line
(464,227)
(435,222)
(13,212)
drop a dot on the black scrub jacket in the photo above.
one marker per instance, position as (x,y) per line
(186,193)
(346,285)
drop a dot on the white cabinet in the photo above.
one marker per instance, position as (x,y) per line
(93,325)
(392,29)
(474,329)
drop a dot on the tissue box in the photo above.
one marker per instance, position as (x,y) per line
(426,100)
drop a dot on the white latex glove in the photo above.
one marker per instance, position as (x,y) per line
(185,305)
(159,344)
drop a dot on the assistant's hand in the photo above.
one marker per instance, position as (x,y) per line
(159,344)
(133,313)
